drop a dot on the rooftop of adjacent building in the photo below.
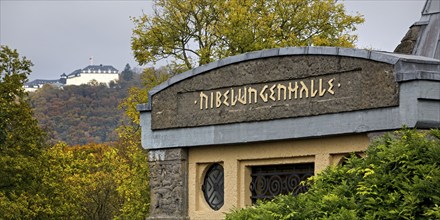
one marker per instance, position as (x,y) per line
(38,82)
(423,37)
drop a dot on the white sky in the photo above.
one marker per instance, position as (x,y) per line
(60,36)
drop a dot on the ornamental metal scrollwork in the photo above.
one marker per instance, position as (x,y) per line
(213,186)
(269,181)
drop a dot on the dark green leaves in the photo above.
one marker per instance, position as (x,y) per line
(398,179)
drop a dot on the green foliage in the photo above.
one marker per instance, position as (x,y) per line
(78,182)
(202,31)
(21,140)
(134,184)
(398,179)
(128,73)
(94,181)
(149,78)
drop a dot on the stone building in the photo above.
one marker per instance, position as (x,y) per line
(254,125)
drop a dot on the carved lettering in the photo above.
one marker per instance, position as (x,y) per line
(203,97)
(233,98)
(321,90)
(330,89)
(293,90)
(242,98)
(253,92)
(303,89)
(225,95)
(272,92)
(218,99)
(277,92)
(264,95)
(284,89)
(313,91)
(212,100)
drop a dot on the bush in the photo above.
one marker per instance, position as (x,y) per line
(398,179)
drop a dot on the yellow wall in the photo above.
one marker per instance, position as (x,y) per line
(237,160)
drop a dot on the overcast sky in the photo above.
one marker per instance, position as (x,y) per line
(60,36)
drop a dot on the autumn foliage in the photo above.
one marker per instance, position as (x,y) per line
(42,180)
(82,114)
(196,32)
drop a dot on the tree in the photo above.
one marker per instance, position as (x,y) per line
(196,32)
(93,181)
(398,179)
(134,183)
(78,115)
(150,78)
(81,182)
(21,140)
(127,74)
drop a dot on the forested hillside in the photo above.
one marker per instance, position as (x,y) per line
(82,114)
(42,180)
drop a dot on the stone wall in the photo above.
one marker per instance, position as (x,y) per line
(409,41)
(168,184)
(276,88)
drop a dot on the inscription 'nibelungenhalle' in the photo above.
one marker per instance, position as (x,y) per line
(274,92)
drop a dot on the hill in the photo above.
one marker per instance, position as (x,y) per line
(81,114)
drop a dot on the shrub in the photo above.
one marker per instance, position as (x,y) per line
(398,179)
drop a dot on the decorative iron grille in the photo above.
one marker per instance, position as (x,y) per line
(269,181)
(213,186)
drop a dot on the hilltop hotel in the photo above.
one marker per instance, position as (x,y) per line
(91,73)
(253,126)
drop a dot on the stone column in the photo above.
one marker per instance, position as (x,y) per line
(168,184)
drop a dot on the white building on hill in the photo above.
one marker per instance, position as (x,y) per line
(91,74)
(99,73)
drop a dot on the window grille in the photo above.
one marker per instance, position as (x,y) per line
(270,181)
(213,186)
